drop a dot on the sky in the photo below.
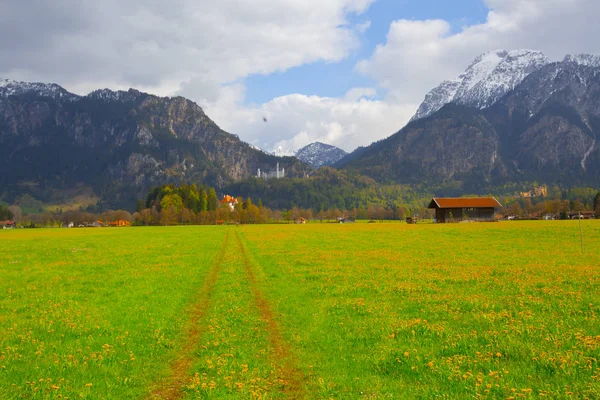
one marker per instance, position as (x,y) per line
(343,72)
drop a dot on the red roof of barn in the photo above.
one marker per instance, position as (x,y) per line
(464,202)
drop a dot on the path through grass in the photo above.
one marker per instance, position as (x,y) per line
(302,311)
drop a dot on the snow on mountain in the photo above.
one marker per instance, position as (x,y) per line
(437,98)
(107,94)
(485,81)
(281,151)
(13,88)
(130,95)
(589,60)
(509,72)
(479,70)
(258,148)
(318,154)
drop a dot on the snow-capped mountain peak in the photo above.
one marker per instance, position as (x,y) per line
(13,88)
(318,154)
(130,95)
(589,60)
(281,151)
(437,98)
(485,81)
(505,76)
(479,69)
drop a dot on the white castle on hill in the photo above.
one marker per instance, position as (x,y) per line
(277,174)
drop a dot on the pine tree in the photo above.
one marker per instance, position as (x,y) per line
(201,199)
(211,200)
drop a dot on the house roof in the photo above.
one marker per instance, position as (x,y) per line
(228,199)
(464,202)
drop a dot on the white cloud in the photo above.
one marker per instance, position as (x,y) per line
(158,45)
(363,26)
(296,120)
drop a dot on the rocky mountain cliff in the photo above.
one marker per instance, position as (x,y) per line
(117,143)
(319,154)
(547,129)
(485,81)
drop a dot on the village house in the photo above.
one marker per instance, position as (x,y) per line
(230,201)
(300,220)
(582,215)
(120,222)
(8,224)
(548,217)
(464,209)
(541,191)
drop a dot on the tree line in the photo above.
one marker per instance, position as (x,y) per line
(59,218)
(558,203)
(192,204)
(5,213)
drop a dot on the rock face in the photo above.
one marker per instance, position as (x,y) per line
(546,129)
(118,143)
(485,81)
(319,154)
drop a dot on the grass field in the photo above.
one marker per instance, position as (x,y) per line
(325,311)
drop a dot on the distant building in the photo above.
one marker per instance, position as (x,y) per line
(300,220)
(348,220)
(541,191)
(277,174)
(8,224)
(97,224)
(120,222)
(230,201)
(582,215)
(464,209)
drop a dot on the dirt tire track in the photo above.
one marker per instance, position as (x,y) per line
(293,378)
(170,388)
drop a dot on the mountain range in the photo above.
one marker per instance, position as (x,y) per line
(119,144)
(512,116)
(545,128)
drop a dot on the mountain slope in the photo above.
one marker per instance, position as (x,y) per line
(118,143)
(319,154)
(546,129)
(485,81)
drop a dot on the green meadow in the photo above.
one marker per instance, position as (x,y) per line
(496,310)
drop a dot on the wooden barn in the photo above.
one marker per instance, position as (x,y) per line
(464,209)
